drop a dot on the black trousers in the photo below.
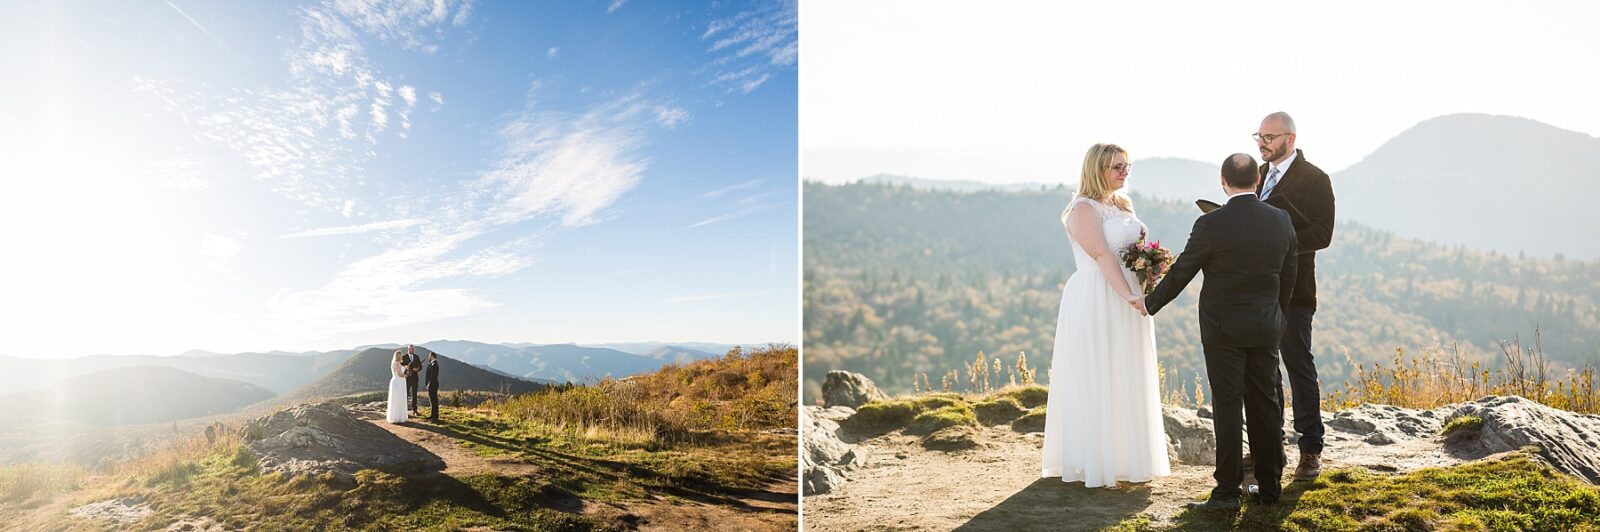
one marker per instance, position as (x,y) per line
(1302,368)
(433,401)
(1246,380)
(411,393)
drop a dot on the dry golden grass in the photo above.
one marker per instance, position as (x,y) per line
(1439,376)
(1434,377)
(752,390)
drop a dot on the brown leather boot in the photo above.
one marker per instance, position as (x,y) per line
(1310,466)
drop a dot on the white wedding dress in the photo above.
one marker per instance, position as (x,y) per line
(397,411)
(1103,420)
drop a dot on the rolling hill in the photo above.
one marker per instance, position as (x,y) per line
(368,371)
(135,395)
(277,371)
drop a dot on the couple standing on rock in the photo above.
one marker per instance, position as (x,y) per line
(403,387)
(1103,421)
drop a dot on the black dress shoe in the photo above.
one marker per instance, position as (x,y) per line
(1254,492)
(1214,504)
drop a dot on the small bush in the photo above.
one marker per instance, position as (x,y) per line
(879,417)
(1030,396)
(1001,410)
(1033,421)
(1463,425)
(933,420)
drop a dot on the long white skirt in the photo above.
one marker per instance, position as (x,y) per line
(398,411)
(1103,421)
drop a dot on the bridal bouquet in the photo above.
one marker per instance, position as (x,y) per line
(1148,260)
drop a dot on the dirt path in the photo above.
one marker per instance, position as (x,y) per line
(459,461)
(994,487)
(774,507)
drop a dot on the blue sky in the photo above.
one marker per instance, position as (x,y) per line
(231,177)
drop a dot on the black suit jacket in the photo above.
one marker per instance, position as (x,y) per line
(1308,188)
(432,375)
(1247,251)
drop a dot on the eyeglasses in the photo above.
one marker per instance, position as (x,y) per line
(1268,138)
(1122,167)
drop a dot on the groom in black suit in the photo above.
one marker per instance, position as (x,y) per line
(1247,250)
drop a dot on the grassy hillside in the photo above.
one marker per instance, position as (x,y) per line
(135,395)
(900,282)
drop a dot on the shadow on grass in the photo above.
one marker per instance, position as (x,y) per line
(576,473)
(1254,515)
(1050,504)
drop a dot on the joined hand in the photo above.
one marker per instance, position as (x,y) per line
(1138,304)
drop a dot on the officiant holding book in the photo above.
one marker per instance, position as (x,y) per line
(1290,182)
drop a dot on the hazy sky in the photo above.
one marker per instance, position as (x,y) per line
(1017,91)
(252,176)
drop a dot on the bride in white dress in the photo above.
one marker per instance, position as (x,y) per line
(1103,420)
(397,390)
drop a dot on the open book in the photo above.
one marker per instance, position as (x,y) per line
(1295,216)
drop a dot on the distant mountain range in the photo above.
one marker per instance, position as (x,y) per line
(369,371)
(1494,183)
(135,395)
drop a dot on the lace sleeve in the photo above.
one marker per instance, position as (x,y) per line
(1080,200)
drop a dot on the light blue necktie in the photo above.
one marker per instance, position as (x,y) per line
(1272,181)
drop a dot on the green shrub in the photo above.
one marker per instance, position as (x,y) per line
(1030,396)
(933,420)
(1001,410)
(1033,421)
(879,417)
(1464,425)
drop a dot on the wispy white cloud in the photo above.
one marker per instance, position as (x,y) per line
(557,170)
(312,139)
(357,229)
(416,24)
(670,116)
(741,213)
(742,185)
(570,167)
(750,46)
(712,297)
(553,52)
(615,5)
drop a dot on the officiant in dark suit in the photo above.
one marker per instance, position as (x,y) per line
(431,380)
(1288,179)
(1247,250)
(413,365)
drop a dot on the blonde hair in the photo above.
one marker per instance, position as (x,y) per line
(1092,182)
(399,354)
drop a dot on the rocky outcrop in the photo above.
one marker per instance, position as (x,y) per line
(826,458)
(1567,441)
(843,388)
(1190,438)
(324,439)
(1385,424)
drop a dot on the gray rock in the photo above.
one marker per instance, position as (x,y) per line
(319,439)
(825,458)
(843,388)
(1190,438)
(1569,442)
(1385,424)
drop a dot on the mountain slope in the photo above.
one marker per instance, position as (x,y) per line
(276,371)
(136,395)
(1489,182)
(368,371)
